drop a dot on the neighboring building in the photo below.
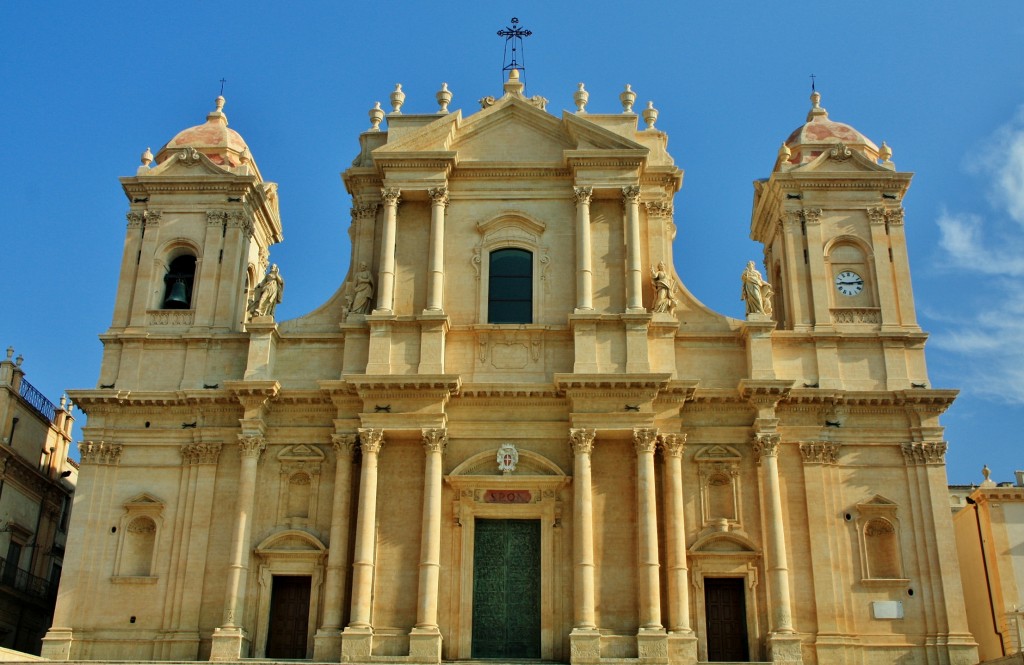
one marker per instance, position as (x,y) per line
(37,483)
(512,433)
(990,544)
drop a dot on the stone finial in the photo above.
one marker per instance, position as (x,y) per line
(816,108)
(376,116)
(397,99)
(444,98)
(10,352)
(650,115)
(885,153)
(246,156)
(784,154)
(627,97)
(63,402)
(147,158)
(580,97)
(219,103)
(513,86)
(20,359)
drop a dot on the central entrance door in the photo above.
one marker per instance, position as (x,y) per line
(725,608)
(289,616)
(506,589)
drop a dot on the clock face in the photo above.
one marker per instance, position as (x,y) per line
(849,283)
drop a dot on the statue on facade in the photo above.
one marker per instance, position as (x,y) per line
(663,287)
(756,293)
(362,291)
(267,294)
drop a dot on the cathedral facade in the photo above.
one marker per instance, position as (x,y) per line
(512,432)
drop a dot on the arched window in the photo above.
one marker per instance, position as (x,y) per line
(510,287)
(178,283)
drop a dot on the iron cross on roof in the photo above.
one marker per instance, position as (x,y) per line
(513,35)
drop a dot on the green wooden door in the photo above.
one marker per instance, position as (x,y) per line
(506,589)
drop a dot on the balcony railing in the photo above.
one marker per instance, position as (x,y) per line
(38,401)
(22,580)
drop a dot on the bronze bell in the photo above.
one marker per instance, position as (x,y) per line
(177,298)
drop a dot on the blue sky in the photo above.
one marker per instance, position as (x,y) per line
(88,86)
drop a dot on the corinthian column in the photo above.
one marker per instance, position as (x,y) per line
(370,443)
(434,443)
(644,441)
(435,290)
(386,278)
(584,270)
(767,446)
(228,639)
(582,442)
(327,640)
(675,544)
(634,292)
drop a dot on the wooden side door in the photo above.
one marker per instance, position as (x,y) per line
(289,616)
(726,613)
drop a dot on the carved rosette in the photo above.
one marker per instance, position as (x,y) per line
(435,440)
(766,445)
(924,452)
(200,453)
(894,216)
(251,445)
(819,452)
(583,195)
(438,195)
(645,439)
(659,209)
(391,195)
(631,195)
(371,440)
(344,444)
(100,452)
(811,215)
(582,440)
(672,445)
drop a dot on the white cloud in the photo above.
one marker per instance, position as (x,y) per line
(989,335)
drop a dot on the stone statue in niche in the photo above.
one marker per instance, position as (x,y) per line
(267,294)
(362,291)
(663,287)
(756,293)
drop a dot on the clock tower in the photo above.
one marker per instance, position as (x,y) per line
(830,217)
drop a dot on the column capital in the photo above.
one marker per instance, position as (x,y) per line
(876,215)
(371,440)
(364,210)
(819,452)
(251,445)
(924,452)
(435,440)
(662,208)
(894,216)
(631,194)
(645,439)
(812,215)
(582,440)
(100,452)
(344,444)
(439,195)
(583,194)
(672,445)
(200,453)
(390,195)
(766,444)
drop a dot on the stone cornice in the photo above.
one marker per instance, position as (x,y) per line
(611,383)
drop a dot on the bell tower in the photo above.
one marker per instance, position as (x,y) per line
(201,220)
(831,221)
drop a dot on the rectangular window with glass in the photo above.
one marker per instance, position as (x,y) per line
(510,287)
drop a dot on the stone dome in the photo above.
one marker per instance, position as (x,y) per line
(223,145)
(820,133)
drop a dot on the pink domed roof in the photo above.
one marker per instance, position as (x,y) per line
(223,145)
(809,140)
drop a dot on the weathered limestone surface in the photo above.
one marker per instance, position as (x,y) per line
(781,477)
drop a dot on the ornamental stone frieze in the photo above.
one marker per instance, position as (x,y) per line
(100,452)
(819,452)
(924,452)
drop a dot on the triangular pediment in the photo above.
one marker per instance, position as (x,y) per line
(717,453)
(841,159)
(433,137)
(512,131)
(878,501)
(301,453)
(144,499)
(589,136)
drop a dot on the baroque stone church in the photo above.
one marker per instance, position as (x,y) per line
(512,433)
